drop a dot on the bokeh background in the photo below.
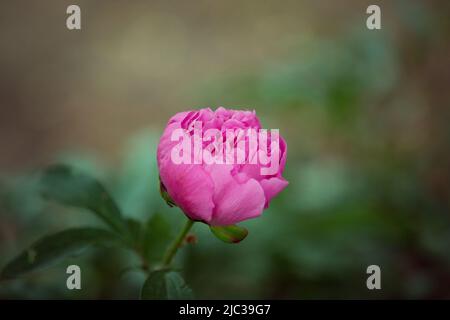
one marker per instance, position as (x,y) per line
(365,115)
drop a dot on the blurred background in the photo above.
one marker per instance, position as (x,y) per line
(365,114)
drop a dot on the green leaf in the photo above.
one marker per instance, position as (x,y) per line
(165,285)
(229,234)
(67,186)
(53,248)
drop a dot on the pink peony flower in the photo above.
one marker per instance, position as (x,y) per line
(215,175)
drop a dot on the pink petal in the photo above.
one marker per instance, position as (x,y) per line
(190,187)
(234,201)
(272,187)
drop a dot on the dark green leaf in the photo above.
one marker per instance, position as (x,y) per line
(51,249)
(229,234)
(70,187)
(165,285)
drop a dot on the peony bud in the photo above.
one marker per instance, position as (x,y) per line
(219,166)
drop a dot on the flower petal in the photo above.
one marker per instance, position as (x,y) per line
(234,201)
(189,186)
(272,187)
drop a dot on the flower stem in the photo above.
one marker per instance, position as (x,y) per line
(172,250)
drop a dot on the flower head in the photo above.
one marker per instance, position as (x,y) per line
(221,167)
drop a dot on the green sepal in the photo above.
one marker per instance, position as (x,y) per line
(229,234)
(165,195)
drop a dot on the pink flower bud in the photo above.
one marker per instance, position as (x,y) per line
(221,167)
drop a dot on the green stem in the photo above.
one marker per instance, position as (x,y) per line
(172,250)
